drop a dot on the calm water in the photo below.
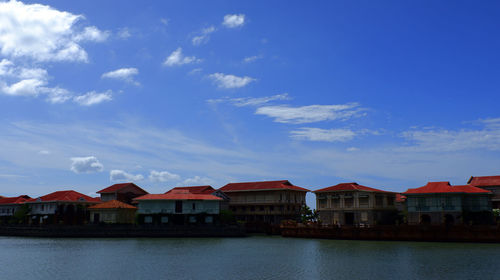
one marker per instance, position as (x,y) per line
(259,257)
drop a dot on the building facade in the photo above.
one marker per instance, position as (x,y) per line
(9,206)
(125,192)
(440,203)
(224,204)
(112,212)
(268,201)
(489,183)
(178,207)
(353,204)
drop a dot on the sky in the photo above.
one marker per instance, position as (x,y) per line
(389,94)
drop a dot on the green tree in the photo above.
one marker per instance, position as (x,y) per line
(308,215)
(21,214)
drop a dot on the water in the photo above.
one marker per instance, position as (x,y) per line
(258,257)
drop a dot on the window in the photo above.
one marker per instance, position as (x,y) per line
(364,201)
(379,200)
(271,208)
(194,206)
(261,208)
(252,208)
(148,219)
(364,216)
(390,200)
(348,202)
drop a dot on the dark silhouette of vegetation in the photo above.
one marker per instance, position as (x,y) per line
(21,215)
(308,215)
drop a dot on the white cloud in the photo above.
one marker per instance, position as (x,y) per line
(325,135)
(42,33)
(233,21)
(352,149)
(122,176)
(124,74)
(85,164)
(164,21)
(204,36)
(230,81)
(195,71)
(252,58)
(93,98)
(197,180)
(163,176)
(44,152)
(124,33)
(177,58)
(57,95)
(311,113)
(250,101)
(27,87)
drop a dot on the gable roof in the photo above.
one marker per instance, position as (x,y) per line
(71,196)
(261,186)
(445,187)
(196,189)
(14,200)
(178,195)
(112,204)
(117,187)
(484,181)
(349,187)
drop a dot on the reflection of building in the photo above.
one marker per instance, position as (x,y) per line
(353,204)
(224,204)
(178,207)
(489,183)
(68,207)
(112,212)
(124,192)
(9,206)
(441,203)
(266,201)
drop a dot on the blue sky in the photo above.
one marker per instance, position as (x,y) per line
(389,94)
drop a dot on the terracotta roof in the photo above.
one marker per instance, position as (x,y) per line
(349,187)
(112,204)
(118,187)
(445,187)
(484,181)
(178,195)
(14,200)
(260,186)
(196,189)
(400,198)
(66,196)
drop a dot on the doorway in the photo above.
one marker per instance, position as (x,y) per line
(349,218)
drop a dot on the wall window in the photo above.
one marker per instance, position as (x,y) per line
(379,200)
(261,208)
(148,220)
(348,202)
(194,206)
(364,201)
(364,216)
(252,208)
(390,200)
(271,208)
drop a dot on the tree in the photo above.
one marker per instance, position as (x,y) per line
(308,215)
(21,214)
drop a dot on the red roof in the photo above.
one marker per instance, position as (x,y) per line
(117,187)
(484,181)
(70,195)
(349,187)
(260,186)
(445,187)
(112,204)
(14,200)
(196,189)
(178,195)
(400,197)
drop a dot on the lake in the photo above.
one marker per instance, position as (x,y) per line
(256,257)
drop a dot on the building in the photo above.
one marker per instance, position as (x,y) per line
(178,207)
(266,201)
(61,207)
(224,204)
(489,183)
(441,203)
(112,212)
(9,206)
(124,192)
(353,204)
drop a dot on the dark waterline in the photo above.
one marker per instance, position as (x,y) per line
(257,257)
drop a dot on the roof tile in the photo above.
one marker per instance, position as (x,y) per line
(262,185)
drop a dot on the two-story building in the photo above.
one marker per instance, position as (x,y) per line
(124,192)
(9,206)
(266,201)
(224,204)
(489,183)
(353,204)
(178,207)
(441,203)
(61,207)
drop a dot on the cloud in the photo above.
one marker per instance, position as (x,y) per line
(230,81)
(177,58)
(93,98)
(250,59)
(250,101)
(162,176)
(44,152)
(122,176)
(204,36)
(124,74)
(197,180)
(124,33)
(325,135)
(43,33)
(232,21)
(85,164)
(311,113)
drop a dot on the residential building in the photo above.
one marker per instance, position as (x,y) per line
(441,203)
(489,183)
(224,204)
(112,212)
(9,206)
(178,207)
(61,207)
(124,192)
(353,204)
(266,201)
